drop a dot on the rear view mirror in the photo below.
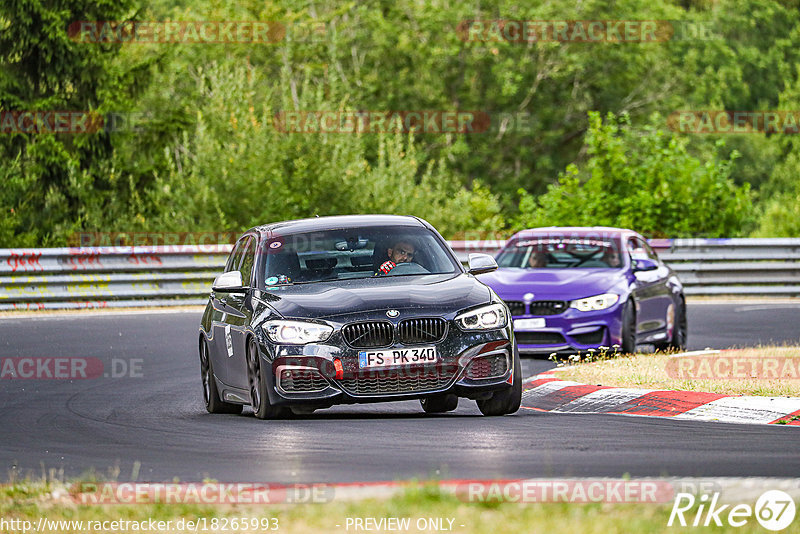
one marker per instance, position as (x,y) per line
(352,244)
(230,282)
(481,263)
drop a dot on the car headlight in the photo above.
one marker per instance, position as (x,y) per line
(296,332)
(598,302)
(486,318)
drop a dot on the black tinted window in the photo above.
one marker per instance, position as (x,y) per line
(354,253)
(235,259)
(639,249)
(248,258)
(548,252)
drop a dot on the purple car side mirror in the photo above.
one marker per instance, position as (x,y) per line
(644,264)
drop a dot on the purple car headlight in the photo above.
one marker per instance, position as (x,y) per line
(595,303)
(489,317)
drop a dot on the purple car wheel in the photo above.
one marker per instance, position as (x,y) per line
(629,328)
(679,335)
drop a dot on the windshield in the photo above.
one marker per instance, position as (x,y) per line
(354,253)
(562,253)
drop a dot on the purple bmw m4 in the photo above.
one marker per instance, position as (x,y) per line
(571,289)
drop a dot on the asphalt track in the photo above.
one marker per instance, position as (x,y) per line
(154,426)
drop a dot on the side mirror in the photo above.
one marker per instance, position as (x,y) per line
(644,264)
(481,263)
(230,282)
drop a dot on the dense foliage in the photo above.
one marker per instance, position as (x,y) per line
(579,131)
(644,179)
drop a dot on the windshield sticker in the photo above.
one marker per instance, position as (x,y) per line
(271,281)
(587,242)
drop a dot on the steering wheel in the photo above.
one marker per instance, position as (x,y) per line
(582,255)
(408,268)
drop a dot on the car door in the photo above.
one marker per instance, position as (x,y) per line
(221,338)
(650,287)
(239,318)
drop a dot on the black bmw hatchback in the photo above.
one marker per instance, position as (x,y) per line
(354,309)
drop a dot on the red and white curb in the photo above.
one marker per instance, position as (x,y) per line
(545,392)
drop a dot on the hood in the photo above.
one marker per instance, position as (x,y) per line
(436,294)
(552,284)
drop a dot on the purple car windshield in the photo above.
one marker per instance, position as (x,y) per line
(561,253)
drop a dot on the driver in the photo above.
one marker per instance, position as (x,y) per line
(400,252)
(611,257)
(537,260)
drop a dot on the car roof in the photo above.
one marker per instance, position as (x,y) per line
(337,221)
(607,231)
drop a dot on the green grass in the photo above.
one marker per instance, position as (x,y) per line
(29,501)
(656,371)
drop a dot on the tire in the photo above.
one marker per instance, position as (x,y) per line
(628,328)
(259,399)
(680,331)
(439,403)
(508,400)
(210,393)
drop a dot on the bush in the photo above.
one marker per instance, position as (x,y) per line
(237,170)
(644,179)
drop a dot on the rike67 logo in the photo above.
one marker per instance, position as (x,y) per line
(774,510)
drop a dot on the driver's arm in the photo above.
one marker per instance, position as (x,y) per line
(386,267)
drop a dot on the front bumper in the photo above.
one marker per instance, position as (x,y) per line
(572,331)
(314,368)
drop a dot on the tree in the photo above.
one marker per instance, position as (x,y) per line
(43,70)
(644,179)
(238,169)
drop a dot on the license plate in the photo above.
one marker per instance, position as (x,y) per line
(393,357)
(526,324)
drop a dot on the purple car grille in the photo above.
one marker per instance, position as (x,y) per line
(517,308)
(537,307)
(592,338)
(539,338)
(547,307)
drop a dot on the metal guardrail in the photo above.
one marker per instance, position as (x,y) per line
(106,277)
